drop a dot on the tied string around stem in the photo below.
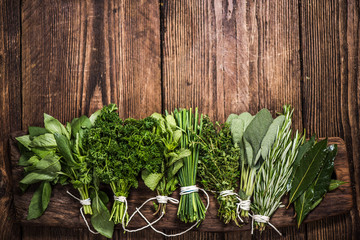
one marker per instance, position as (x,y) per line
(262,219)
(83,202)
(241,205)
(183,191)
(159,198)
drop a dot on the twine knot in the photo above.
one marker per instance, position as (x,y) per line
(188,189)
(120,198)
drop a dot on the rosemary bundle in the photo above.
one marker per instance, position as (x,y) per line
(274,174)
(191,208)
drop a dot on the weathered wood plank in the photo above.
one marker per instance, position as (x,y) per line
(330,92)
(80,55)
(10,107)
(64,207)
(231,56)
(351,98)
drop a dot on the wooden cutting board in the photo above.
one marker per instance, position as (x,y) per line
(63,210)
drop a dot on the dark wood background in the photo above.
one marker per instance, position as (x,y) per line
(70,57)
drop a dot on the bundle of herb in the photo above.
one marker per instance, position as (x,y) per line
(62,160)
(41,164)
(273,175)
(118,150)
(311,181)
(191,208)
(219,166)
(254,135)
(163,178)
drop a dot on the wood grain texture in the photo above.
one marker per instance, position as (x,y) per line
(231,56)
(80,55)
(10,107)
(330,47)
(351,100)
(64,211)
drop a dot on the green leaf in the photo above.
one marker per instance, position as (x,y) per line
(151,180)
(37,131)
(24,159)
(64,148)
(54,126)
(176,167)
(270,136)
(94,116)
(334,184)
(309,167)
(238,126)
(231,117)
(256,131)
(34,160)
(24,140)
(37,176)
(100,218)
(79,124)
(303,149)
(170,120)
(68,127)
(303,205)
(180,155)
(177,135)
(50,163)
(43,152)
(46,140)
(323,180)
(39,201)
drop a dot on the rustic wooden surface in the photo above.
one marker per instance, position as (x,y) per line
(10,107)
(63,210)
(69,58)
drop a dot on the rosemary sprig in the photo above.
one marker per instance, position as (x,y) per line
(273,175)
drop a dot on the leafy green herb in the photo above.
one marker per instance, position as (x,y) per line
(39,200)
(118,150)
(219,166)
(255,136)
(310,166)
(163,177)
(273,175)
(320,181)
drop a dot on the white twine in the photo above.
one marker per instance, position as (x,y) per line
(242,204)
(160,199)
(183,191)
(83,202)
(188,189)
(262,219)
(120,198)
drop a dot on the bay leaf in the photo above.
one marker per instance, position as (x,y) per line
(308,169)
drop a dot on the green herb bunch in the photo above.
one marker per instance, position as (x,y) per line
(311,178)
(191,208)
(219,166)
(118,150)
(162,178)
(42,165)
(274,174)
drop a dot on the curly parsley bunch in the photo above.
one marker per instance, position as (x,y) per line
(118,150)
